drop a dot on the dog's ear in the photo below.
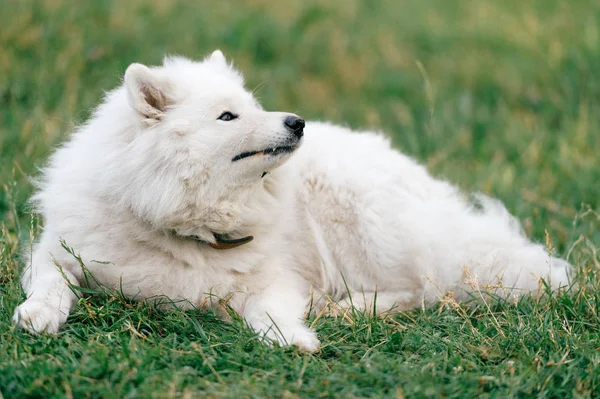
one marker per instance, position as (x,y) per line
(217,57)
(148,93)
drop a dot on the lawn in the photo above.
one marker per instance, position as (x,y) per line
(498,96)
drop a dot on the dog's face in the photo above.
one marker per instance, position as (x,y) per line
(200,136)
(205,107)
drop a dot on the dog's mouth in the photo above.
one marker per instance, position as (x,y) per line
(269,151)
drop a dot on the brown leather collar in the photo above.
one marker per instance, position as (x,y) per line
(223,243)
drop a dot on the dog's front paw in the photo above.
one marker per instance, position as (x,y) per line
(305,339)
(38,317)
(301,336)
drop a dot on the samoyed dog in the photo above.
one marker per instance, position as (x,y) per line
(181,186)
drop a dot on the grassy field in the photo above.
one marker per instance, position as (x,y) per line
(498,96)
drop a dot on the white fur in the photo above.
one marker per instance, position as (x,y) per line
(345,213)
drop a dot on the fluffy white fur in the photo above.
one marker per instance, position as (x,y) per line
(346,212)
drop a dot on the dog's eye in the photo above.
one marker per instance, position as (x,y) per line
(227,116)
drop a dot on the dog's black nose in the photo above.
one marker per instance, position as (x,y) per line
(295,124)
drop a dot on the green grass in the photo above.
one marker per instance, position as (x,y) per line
(498,96)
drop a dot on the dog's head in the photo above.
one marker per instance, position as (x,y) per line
(198,138)
(205,107)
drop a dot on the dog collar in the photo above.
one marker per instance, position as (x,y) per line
(222,242)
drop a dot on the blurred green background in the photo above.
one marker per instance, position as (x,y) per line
(498,96)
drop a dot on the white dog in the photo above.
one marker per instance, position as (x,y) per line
(182,186)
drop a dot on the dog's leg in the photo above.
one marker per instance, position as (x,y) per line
(277,313)
(49,297)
